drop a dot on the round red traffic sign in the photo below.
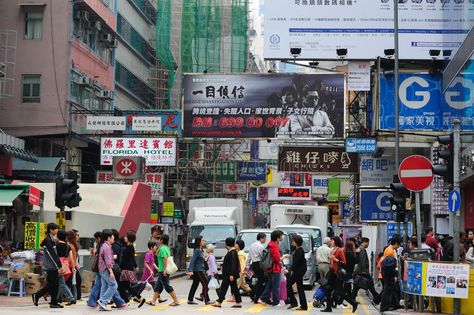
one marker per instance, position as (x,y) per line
(416,173)
(126,167)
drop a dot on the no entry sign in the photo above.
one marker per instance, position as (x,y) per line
(415,172)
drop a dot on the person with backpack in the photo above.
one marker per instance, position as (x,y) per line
(337,275)
(230,274)
(253,260)
(271,263)
(390,299)
(197,271)
(66,258)
(51,265)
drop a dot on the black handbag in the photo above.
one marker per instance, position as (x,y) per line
(362,282)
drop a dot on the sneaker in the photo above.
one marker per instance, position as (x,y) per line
(103,307)
(192,303)
(56,306)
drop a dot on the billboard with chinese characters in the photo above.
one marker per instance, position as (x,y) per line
(107,177)
(154,122)
(424,106)
(156,151)
(363,27)
(264,105)
(376,172)
(317,160)
(251,171)
(375,206)
(155,181)
(105,123)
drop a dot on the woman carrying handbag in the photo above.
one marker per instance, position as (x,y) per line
(65,256)
(337,275)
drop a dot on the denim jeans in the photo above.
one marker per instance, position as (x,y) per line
(108,287)
(95,294)
(273,286)
(64,289)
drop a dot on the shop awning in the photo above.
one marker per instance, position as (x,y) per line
(8,195)
(47,164)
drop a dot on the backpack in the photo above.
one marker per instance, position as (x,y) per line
(389,263)
(266,261)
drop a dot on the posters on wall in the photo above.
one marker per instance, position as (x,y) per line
(314,159)
(376,172)
(414,277)
(424,106)
(157,151)
(359,76)
(319,27)
(264,105)
(447,280)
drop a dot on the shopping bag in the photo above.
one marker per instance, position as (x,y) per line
(213,284)
(170,266)
(283,294)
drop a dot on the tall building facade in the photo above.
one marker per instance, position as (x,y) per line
(64,69)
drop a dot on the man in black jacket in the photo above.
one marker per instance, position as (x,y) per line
(363,270)
(298,269)
(230,274)
(51,264)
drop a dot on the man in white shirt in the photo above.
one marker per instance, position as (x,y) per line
(253,260)
(322,257)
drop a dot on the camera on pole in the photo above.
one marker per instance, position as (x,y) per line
(446,170)
(66,191)
(398,200)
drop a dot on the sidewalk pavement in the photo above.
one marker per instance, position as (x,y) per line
(403,312)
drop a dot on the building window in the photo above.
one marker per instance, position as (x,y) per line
(30,88)
(33,25)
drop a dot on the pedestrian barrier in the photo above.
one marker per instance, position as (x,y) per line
(467,307)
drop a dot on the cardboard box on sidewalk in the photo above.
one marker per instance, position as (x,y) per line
(31,288)
(19,272)
(32,278)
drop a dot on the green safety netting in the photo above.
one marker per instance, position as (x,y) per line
(163,42)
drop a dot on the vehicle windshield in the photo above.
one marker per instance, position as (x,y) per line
(306,244)
(250,237)
(315,233)
(212,234)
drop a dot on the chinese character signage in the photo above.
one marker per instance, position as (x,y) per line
(264,105)
(319,185)
(375,206)
(35,196)
(364,27)
(155,181)
(35,232)
(290,193)
(361,145)
(424,106)
(146,123)
(168,209)
(154,122)
(61,220)
(105,123)
(234,188)
(107,177)
(376,172)
(314,159)
(223,171)
(447,280)
(156,151)
(359,76)
(251,171)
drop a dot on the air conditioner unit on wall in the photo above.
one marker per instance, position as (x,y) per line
(97,25)
(113,43)
(83,81)
(106,94)
(106,37)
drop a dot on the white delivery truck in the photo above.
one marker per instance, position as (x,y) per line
(305,219)
(217,219)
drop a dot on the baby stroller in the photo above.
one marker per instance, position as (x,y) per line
(321,294)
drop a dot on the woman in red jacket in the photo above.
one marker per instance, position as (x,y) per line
(337,260)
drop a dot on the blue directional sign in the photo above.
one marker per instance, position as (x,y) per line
(361,145)
(454,200)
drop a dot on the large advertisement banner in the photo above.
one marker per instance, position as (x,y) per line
(423,106)
(264,105)
(319,27)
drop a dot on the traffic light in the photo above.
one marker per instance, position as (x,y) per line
(446,170)
(66,191)
(397,201)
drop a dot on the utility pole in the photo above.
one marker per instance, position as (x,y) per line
(456,216)
(396,102)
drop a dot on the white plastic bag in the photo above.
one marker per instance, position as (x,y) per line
(170,266)
(213,284)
